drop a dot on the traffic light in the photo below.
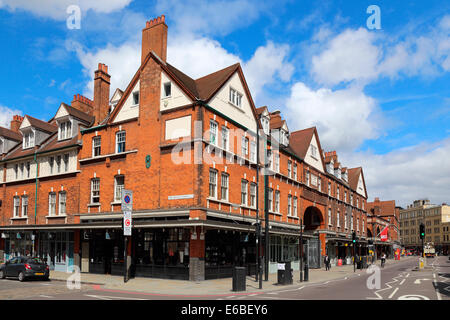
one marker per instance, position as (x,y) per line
(354,237)
(422,231)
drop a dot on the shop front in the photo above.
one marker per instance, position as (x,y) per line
(57,248)
(226,249)
(17,243)
(161,253)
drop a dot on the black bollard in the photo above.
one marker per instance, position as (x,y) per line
(306,276)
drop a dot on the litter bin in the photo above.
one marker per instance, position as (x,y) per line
(239,274)
(284,273)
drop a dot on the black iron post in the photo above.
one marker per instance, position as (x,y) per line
(354,260)
(301,250)
(125,273)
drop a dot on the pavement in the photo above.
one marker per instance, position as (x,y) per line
(166,287)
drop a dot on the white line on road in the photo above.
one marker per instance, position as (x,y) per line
(111,297)
(393,293)
(402,281)
(45,296)
(437,290)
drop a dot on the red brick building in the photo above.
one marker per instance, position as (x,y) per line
(188,149)
(382,214)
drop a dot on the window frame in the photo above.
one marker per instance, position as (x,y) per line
(213,173)
(16,206)
(244,192)
(225,177)
(95,192)
(62,195)
(117,185)
(96,146)
(121,145)
(52,204)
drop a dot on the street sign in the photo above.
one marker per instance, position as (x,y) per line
(127,223)
(127,200)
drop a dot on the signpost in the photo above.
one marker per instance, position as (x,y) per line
(127,208)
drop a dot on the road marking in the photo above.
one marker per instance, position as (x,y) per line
(252,295)
(111,297)
(45,296)
(417,281)
(379,297)
(229,297)
(393,293)
(402,281)
(434,275)
(413,297)
(437,290)
(407,275)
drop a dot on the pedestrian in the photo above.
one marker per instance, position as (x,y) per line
(326,261)
(383,259)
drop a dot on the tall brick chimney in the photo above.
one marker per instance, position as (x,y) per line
(82,103)
(101,93)
(154,38)
(16,122)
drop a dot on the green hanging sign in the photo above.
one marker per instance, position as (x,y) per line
(148,161)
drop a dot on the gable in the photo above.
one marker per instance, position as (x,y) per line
(25,123)
(129,110)
(314,160)
(221,102)
(62,112)
(177,97)
(360,187)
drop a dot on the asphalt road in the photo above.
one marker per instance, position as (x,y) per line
(397,281)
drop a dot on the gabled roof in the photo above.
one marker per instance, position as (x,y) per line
(353,178)
(202,89)
(261,110)
(12,135)
(42,125)
(74,112)
(300,140)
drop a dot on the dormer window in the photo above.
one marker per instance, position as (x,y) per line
(265,124)
(284,138)
(28,139)
(65,130)
(235,97)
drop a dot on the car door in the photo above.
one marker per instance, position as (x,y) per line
(10,267)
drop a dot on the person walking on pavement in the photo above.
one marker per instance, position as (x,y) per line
(326,261)
(383,259)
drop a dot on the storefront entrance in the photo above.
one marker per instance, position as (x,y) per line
(226,249)
(106,251)
(161,253)
(57,249)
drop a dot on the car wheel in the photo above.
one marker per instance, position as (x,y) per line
(21,276)
(2,274)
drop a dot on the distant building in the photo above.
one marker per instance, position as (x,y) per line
(382,214)
(436,219)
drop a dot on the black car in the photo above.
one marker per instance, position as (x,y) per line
(25,267)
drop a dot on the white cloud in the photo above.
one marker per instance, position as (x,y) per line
(210,17)
(344,118)
(364,56)
(348,56)
(56,9)
(6,115)
(421,171)
(195,56)
(122,62)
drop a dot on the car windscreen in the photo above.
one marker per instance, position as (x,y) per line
(35,260)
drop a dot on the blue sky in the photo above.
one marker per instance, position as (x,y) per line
(381,98)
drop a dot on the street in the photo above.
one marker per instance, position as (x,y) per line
(398,281)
